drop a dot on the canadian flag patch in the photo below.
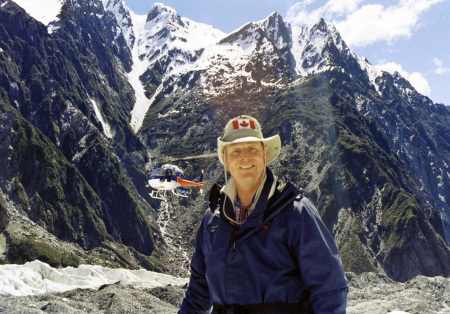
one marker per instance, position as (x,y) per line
(243,124)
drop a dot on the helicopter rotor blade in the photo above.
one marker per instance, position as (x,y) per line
(170,159)
(197,156)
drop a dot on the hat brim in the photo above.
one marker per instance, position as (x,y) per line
(273,143)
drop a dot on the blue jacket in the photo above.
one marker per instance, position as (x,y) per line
(282,253)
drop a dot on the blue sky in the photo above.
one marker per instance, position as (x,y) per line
(409,36)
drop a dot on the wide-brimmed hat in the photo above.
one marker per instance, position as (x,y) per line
(247,129)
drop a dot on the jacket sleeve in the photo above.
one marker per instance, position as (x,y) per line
(197,298)
(319,261)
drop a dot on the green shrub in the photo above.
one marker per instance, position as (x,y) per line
(30,249)
(3,213)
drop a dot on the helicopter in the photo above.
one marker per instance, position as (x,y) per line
(170,177)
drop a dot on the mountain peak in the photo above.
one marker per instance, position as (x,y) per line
(273,28)
(159,10)
(320,26)
(321,22)
(274,15)
(319,47)
(274,20)
(277,30)
(123,18)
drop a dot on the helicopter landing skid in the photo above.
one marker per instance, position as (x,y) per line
(161,194)
(179,194)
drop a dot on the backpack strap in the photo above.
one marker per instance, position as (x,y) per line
(275,202)
(214,197)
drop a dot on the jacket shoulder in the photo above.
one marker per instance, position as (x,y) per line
(284,195)
(284,190)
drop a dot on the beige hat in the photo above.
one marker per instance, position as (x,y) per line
(247,129)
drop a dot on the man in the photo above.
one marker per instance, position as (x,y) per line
(261,246)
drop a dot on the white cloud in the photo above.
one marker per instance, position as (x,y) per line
(416,79)
(362,25)
(298,13)
(440,69)
(420,83)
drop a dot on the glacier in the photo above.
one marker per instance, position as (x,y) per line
(36,277)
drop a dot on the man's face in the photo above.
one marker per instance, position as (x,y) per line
(245,162)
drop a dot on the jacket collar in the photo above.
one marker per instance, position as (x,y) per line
(256,217)
(230,188)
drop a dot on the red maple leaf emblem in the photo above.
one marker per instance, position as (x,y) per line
(244,124)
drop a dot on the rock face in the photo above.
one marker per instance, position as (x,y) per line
(89,102)
(70,161)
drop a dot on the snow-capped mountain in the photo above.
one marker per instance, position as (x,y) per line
(314,46)
(162,44)
(123,17)
(66,104)
(96,93)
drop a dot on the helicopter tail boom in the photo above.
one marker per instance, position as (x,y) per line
(183,182)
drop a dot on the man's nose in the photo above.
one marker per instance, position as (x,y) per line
(244,154)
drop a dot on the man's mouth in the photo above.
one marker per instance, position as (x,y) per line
(246,167)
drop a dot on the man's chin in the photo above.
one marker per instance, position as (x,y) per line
(249,179)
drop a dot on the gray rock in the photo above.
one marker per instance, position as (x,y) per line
(374,293)
(115,298)
(369,293)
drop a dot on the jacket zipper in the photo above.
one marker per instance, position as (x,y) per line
(231,242)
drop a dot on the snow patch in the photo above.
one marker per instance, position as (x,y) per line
(373,72)
(168,38)
(172,112)
(141,106)
(13,85)
(37,277)
(51,28)
(45,11)
(98,114)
